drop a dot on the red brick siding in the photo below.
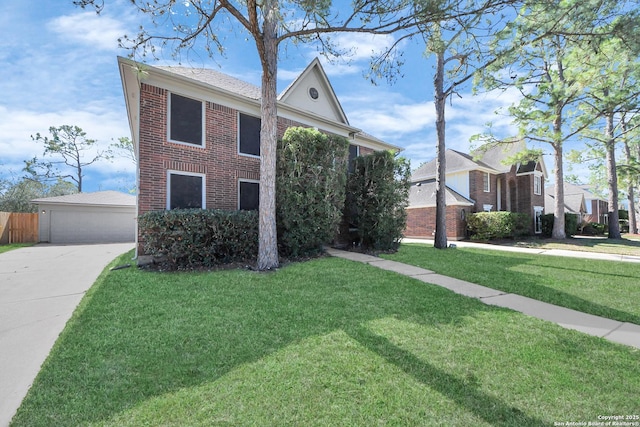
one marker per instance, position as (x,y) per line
(421,222)
(218,160)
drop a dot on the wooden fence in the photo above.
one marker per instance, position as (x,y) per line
(18,227)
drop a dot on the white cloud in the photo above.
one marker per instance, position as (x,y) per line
(89,28)
(18,126)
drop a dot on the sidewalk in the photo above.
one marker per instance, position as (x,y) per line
(612,330)
(552,252)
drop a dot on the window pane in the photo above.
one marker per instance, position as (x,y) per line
(249,135)
(249,196)
(185,191)
(186,120)
(353,153)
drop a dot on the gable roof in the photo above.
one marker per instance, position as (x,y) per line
(314,77)
(455,162)
(573,202)
(214,86)
(98,198)
(575,189)
(423,195)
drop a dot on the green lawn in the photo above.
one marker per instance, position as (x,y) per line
(628,245)
(12,246)
(321,343)
(603,288)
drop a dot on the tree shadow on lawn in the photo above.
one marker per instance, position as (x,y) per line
(142,334)
(469,396)
(507,272)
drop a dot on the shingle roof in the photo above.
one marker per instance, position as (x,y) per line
(217,79)
(494,156)
(456,161)
(103,198)
(424,195)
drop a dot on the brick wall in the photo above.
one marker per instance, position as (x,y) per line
(421,222)
(218,160)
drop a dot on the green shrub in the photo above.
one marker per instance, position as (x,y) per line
(498,225)
(593,229)
(377,195)
(194,238)
(310,189)
(570,224)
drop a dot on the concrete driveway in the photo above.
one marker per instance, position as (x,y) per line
(40,287)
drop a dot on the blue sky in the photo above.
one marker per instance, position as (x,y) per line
(59,67)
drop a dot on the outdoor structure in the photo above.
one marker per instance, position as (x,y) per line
(579,200)
(196,132)
(476,183)
(100,217)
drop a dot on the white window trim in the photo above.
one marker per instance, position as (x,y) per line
(176,172)
(204,121)
(486,189)
(537,210)
(487,208)
(238,188)
(240,153)
(537,189)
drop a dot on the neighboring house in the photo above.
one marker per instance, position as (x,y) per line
(196,132)
(100,217)
(475,184)
(593,208)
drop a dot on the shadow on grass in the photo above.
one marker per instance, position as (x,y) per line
(507,272)
(464,393)
(141,334)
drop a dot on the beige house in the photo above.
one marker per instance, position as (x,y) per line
(100,217)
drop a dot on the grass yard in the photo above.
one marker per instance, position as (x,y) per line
(628,245)
(327,342)
(12,246)
(603,288)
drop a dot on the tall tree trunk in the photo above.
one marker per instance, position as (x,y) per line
(268,50)
(612,179)
(633,224)
(558,211)
(440,241)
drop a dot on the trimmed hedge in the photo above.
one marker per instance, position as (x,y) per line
(377,195)
(570,224)
(310,190)
(194,238)
(498,225)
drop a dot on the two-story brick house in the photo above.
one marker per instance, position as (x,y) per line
(476,183)
(579,200)
(196,132)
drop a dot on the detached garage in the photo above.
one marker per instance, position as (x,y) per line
(100,217)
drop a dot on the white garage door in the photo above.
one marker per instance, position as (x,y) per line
(91,226)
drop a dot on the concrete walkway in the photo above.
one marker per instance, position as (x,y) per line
(619,332)
(552,252)
(40,287)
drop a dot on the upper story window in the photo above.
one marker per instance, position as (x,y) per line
(186,124)
(185,190)
(249,135)
(486,182)
(248,195)
(537,185)
(354,151)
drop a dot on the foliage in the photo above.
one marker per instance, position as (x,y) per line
(498,225)
(570,224)
(336,343)
(310,190)
(17,196)
(125,148)
(70,149)
(593,229)
(377,195)
(194,238)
